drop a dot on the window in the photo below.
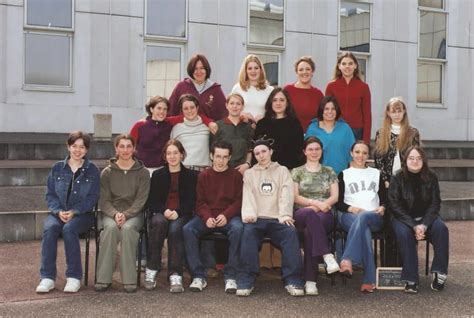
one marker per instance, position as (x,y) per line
(163,69)
(431,52)
(166,18)
(271,65)
(354,27)
(362,67)
(266,23)
(48,33)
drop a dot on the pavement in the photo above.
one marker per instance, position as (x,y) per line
(19,263)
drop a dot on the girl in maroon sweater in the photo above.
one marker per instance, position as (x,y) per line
(353,95)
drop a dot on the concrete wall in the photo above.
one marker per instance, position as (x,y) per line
(109,61)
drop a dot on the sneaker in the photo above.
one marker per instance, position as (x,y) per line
(100,287)
(150,279)
(132,288)
(411,288)
(45,285)
(438,281)
(310,288)
(176,284)
(331,264)
(346,268)
(198,284)
(244,292)
(294,290)
(72,285)
(230,286)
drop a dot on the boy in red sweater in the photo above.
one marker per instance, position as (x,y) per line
(218,205)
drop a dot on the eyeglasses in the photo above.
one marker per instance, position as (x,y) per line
(415,158)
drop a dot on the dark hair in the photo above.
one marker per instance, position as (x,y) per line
(425,172)
(311,140)
(337,71)
(192,65)
(187,98)
(289,111)
(306,59)
(361,142)
(177,144)
(75,135)
(322,104)
(222,145)
(155,100)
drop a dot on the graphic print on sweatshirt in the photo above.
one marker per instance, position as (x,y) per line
(267,187)
(356,187)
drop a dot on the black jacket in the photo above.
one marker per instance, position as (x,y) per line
(401,199)
(160,188)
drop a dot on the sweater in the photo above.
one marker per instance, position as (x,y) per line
(289,139)
(268,193)
(194,136)
(160,189)
(239,136)
(124,191)
(211,100)
(336,144)
(354,100)
(305,102)
(362,188)
(254,99)
(218,193)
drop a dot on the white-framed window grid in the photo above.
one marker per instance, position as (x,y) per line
(49,30)
(367,4)
(162,37)
(160,75)
(268,58)
(427,82)
(265,7)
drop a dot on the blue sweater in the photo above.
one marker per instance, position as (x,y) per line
(336,144)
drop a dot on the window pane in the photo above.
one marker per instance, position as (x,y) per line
(438,4)
(166,18)
(266,22)
(362,68)
(47,59)
(429,83)
(355,27)
(270,64)
(49,13)
(163,70)
(432,35)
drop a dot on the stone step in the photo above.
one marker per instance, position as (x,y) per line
(30,172)
(453,169)
(52,151)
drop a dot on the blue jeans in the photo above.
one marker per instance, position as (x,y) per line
(53,227)
(196,228)
(284,237)
(358,248)
(437,234)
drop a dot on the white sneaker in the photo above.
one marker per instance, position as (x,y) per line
(45,285)
(198,284)
(244,292)
(294,290)
(310,288)
(176,284)
(331,264)
(150,279)
(230,286)
(72,285)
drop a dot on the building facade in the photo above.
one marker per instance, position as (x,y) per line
(66,63)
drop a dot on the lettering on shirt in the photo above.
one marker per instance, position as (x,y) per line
(356,187)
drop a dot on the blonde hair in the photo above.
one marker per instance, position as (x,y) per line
(235,95)
(244,79)
(404,140)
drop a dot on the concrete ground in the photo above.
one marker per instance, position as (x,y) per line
(19,263)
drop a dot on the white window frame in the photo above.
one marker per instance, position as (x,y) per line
(49,88)
(365,57)
(267,46)
(371,7)
(167,38)
(440,62)
(46,28)
(166,45)
(273,53)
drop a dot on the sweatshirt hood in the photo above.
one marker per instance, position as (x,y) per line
(138,165)
(273,165)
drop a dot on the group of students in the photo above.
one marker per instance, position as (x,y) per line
(243,165)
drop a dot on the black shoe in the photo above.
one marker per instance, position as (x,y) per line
(100,287)
(438,281)
(411,288)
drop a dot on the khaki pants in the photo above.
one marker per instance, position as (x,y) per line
(128,237)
